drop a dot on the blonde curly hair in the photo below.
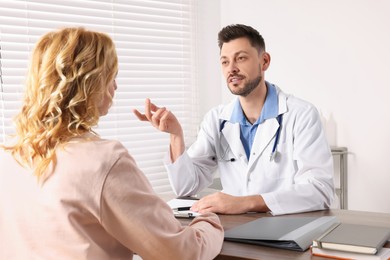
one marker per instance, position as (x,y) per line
(67,80)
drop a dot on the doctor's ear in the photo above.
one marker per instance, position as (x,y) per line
(265,60)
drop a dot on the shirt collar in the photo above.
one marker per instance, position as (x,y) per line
(270,108)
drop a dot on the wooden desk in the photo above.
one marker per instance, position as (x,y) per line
(233,250)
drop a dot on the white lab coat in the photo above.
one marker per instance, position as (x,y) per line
(299,179)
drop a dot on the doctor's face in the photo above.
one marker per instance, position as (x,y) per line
(242,66)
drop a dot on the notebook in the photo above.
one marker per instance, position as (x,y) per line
(383,254)
(354,238)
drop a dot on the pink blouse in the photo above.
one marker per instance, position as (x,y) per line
(97,204)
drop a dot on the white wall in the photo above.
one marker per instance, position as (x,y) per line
(336,55)
(209,74)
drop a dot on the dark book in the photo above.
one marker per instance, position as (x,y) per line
(287,232)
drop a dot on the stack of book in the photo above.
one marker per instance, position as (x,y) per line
(351,241)
(326,236)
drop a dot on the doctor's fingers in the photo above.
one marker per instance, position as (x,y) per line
(157,119)
(169,123)
(139,115)
(149,109)
(209,210)
(214,208)
(142,117)
(201,207)
(205,202)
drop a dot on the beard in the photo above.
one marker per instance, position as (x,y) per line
(248,88)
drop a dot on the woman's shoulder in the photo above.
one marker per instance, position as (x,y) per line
(93,148)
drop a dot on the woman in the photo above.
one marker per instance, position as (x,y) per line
(65,193)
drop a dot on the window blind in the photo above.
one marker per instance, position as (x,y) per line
(155,46)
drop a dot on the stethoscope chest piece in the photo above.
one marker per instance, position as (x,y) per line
(275,157)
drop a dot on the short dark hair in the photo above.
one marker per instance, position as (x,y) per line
(235,31)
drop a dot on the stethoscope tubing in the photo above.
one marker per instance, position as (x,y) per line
(276,141)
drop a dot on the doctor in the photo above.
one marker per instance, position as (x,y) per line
(269,147)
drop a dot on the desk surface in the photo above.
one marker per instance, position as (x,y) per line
(232,250)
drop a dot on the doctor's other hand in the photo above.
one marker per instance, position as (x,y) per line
(223,203)
(161,118)
(219,202)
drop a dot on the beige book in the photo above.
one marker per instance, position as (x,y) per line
(354,238)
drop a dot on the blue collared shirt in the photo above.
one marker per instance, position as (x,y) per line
(247,130)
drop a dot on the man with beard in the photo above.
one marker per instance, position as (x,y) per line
(269,147)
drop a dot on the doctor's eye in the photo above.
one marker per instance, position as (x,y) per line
(241,58)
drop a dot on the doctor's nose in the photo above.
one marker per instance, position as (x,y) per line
(233,69)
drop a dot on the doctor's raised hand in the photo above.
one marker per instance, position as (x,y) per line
(165,121)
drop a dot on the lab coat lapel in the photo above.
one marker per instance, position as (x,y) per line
(231,132)
(264,136)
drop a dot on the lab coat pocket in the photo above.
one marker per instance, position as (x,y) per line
(281,166)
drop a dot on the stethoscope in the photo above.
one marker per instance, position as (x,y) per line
(274,152)
(222,155)
(272,156)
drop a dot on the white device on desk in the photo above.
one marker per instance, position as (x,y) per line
(181,207)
